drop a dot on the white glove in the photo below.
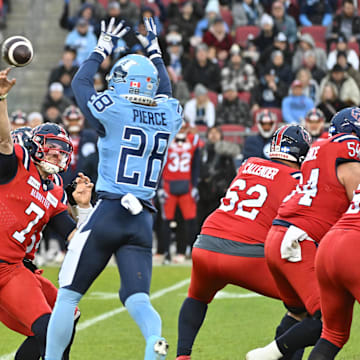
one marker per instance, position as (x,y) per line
(150,42)
(162,195)
(108,38)
(195,194)
(131,203)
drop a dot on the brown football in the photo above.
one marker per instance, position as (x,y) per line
(17,50)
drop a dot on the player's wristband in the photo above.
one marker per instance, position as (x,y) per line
(3,97)
(82,214)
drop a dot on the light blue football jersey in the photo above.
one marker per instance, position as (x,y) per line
(134,149)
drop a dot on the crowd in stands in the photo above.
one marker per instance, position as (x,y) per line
(239,67)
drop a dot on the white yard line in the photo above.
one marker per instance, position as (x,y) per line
(85,324)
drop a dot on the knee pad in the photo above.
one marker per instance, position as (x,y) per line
(297,310)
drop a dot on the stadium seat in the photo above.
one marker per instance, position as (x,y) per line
(242,33)
(316,31)
(233,133)
(244,96)
(227,17)
(202,130)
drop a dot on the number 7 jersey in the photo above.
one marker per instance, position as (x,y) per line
(247,210)
(321,199)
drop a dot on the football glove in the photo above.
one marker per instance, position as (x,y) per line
(150,42)
(195,194)
(109,37)
(162,195)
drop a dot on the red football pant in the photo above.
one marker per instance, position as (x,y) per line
(24,297)
(211,271)
(338,273)
(296,281)
(186,203)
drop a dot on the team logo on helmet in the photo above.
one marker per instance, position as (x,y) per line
(355,112)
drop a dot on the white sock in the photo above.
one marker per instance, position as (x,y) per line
(273,351)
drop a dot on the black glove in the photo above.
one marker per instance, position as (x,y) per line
(30,265)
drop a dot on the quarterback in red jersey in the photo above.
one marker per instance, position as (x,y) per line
(331,172)
(179,187)
(29,201)
(337,270)
(230,247)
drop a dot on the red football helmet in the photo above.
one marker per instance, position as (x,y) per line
(51,147)
(73,119)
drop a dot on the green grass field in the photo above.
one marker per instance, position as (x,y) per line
(236,322)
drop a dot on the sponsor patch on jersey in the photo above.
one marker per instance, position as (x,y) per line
(149,86)
(52,199)
(34,183)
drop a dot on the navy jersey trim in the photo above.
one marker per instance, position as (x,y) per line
(26,159)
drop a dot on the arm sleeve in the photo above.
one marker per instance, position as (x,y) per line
(83,88)
(8,167)
(195,168)
(164,85)
(304,21)
(63,224)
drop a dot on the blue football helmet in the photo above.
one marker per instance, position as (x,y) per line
(346,121)
(21,135)
(135,77)
(50,147)
(290,142)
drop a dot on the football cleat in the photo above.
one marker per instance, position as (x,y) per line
(269,352)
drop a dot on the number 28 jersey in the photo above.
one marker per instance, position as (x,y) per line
(247,210)
(25,208)
(321,199)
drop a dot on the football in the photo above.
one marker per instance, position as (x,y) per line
(17,51)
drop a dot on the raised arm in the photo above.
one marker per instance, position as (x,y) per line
(83,82)
(152,47)
(6,143)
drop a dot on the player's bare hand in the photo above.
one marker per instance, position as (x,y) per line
(5,83)
(82,193)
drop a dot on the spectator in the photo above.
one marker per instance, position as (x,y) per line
(238,72)
(284,23)
(342,45)
(18,119)
(247,12)
(250,53)
(218,39)
(186,19)
(87,11)
(65,71)
(35,119)
(232,110)
(200,110)
(55,103)
(306,42)
(259,145)
(296,105)
(346,23)
(330,103)
(129,11)
(346,86)
(270,91)
(82,39)
(318,12)
(342,61)
(84,157)
(267,33)
(309,60)
(315,124)
(280,43)
(202,70)
(216,171)
(212,10)
(310,86)
(282,69)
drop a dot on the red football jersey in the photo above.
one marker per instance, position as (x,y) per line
(320,199)
(351,218)
(251,202)
(25,208)
(179,161)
